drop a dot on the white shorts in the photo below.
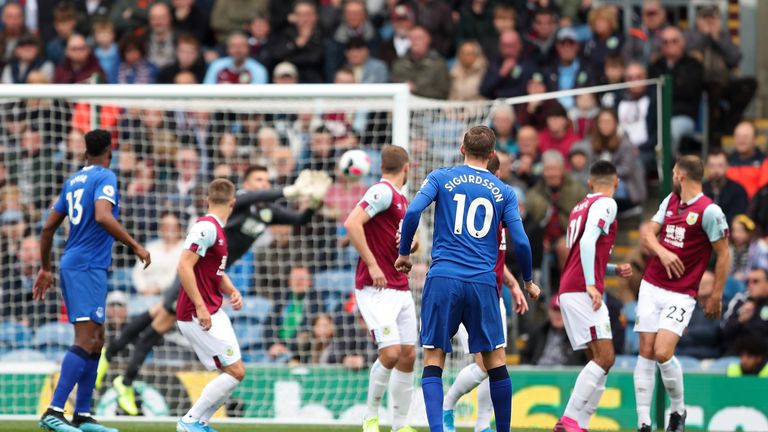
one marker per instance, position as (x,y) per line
(217,347)
(462,337)
(658,308)
(389,314)
(583,324)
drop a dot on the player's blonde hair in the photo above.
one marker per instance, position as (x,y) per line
(220,192)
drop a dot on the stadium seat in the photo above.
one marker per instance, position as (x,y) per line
(53,335)
(23,355)
(626,362)
(138,304)
(255,310)
(121,279)
(335,280)
(721,365)
(689,363)
(630,311)
(14,336)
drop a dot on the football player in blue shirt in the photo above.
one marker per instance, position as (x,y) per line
(90,199)
(461,283)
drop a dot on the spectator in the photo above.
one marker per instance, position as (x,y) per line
(644,42)
(237,68)
(87,13)
(106,50)
(130,16)
(188,59)
(31,165)
(753,358)
(540,39)
(728,95)
(548,345)
(351,346)
(13,227)
(534,113)
(637,116)
(422,69)
(397,47)
(165,252)
(366,69)
(26,59)
(117,311)
(13,28)
(16,303)
(608,142)
(550,200)
(729,195)
(467,72)
(285,73)
(503,124)
(284,164)
(578,159)
(527,167)
(687,82)
(702,338)
(613,73)
(742,240)
(262,41)
(135,68)
(80,66)
(160,39)
(504,19)
(292,315)
(189,18)
(606,39)
(316,348)
(475,18)
(341,199)
(746,312)
(65,23)
(233,15)
(583,114)
(436,17)
(506,75)
(758,209)
(302,43)
(354,26)
(558,134)
(748,165)
(184,190)
(568,71)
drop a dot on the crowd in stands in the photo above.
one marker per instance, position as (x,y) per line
(460,51)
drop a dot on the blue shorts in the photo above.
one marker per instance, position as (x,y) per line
(447,302)
(85,294)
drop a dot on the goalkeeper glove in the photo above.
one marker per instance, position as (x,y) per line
(300,186)
(321,182)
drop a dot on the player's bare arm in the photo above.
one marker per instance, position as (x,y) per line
(624,270)
(714,305)
(521,306)
(228,288)
(187,278)
(671,262)
(44,280)
(403,264)
(354,225)
(104,217)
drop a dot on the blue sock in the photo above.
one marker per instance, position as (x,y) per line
(86,384)
(72,368)
(501,395)
(432,386)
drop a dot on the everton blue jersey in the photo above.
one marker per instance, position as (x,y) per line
(469,205)
(88,245)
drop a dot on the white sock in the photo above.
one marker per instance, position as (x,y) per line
(400,394)
(484,406)
(586,384)
(586,414)
(672,377)
(467,379)
(377,383)
(645,380)
(214,394)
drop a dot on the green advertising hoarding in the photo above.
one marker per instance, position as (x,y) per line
(316,394)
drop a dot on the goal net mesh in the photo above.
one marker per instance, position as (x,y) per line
(308,354)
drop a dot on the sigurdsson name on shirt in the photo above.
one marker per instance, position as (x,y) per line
(478,180)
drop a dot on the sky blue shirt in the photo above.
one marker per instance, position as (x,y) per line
(89,246)
(258,72)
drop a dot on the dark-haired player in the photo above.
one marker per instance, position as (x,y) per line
(470,204)
(89,198)
(690,227)
(255,209)
(591,231)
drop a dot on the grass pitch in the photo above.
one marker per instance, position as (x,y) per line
(31,426)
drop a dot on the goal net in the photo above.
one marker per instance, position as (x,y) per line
(306,347)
